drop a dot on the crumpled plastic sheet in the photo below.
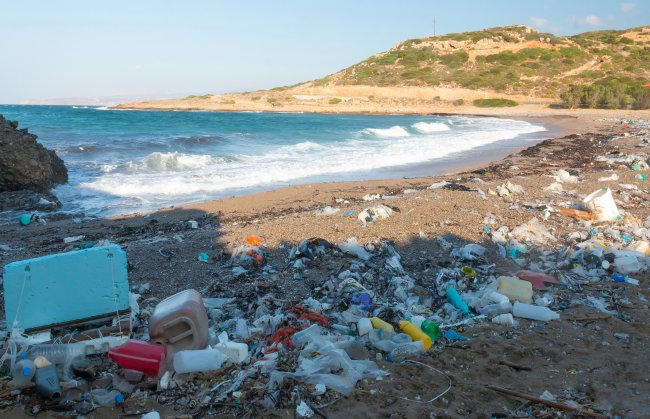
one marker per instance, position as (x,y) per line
(372,214)
(332,367)
(352,247)
(533,231)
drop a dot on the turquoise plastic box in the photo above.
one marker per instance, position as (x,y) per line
(65,287)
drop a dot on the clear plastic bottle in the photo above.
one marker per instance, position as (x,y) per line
(106,398)
(23,371)
(62,354)
(404,351)
(492,310)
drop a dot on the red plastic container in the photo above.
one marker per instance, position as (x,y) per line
(140,356)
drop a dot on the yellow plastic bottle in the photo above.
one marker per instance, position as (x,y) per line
(415,333)
(378,323)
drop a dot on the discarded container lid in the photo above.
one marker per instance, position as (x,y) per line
(203,257)
(254,240)
(468,271)
(25,219)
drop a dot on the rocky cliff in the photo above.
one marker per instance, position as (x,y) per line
(27,170)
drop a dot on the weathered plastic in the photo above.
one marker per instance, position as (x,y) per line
(95,279)
(140,356)
(378,323)
(198,360)
(47,382)
(491,310)
(106,398)
(515,289)
(457,301)
(236,352)
(180,322)
(504,319)
(23,371)
(601,204)
(431,329)
(415,333)
(404,351)
(364,326)
(533,312)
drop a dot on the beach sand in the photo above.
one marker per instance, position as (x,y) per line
(578,360)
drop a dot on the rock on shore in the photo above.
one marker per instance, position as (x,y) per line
(27,170)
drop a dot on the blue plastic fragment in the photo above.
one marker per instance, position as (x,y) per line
(452,336)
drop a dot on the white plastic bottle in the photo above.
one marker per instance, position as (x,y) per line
(200,360)
(235,352)
(529,311)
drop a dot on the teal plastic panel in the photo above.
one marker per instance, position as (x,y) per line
(66,286)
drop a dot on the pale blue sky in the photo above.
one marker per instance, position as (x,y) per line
(66,48)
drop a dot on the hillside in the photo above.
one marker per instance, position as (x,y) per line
(507,62)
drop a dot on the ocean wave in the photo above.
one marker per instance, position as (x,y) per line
(392,132)
(158,162)
(198,140)
(429,127)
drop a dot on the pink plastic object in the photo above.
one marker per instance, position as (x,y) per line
(140,356)
(538,279)
(180,322)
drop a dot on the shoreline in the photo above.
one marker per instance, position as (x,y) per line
(425,225)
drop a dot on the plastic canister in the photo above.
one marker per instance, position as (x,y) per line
(140,356)
(627,265)
(180,322)
(601,204)
(415,333)
(198,360)
(529,311)
(515,289)
(378,323)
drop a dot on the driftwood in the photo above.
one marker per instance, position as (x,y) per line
(556,405)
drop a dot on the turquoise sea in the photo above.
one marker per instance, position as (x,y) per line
(126,161)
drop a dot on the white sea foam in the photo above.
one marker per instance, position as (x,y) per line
(158,177)
(171,162)
(392,132)
(429,127)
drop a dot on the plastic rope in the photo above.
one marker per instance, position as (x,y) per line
(117,310)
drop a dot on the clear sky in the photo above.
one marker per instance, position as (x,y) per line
(67,48)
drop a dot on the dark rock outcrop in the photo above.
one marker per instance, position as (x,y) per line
(26,164)
(27,170)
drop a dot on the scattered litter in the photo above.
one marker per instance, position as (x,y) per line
(372,214)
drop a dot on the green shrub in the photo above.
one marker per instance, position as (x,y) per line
(455,59)
(335,100)
(228,102)
(256,98)
(458,102)
(494,103)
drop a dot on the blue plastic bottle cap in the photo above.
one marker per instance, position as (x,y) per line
(27,371)
(25,219)
(23,355)
(119,398)
(389,357)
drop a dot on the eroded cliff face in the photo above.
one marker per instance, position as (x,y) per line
(27,170)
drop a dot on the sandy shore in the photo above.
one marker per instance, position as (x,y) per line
(578,360)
